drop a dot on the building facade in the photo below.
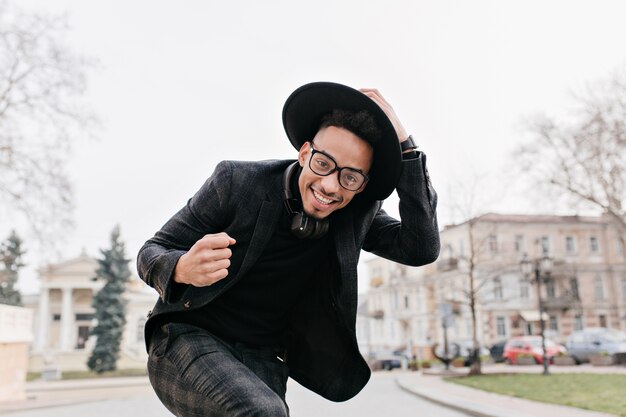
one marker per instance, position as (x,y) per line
(63,315)
(586,287)
(15,338)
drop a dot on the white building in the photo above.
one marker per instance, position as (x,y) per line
(587,286)
(396,314)
(63,315)
(15,337)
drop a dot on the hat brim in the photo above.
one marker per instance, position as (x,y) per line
(302,116)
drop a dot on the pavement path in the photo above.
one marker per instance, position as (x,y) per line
(133,397)
(389,394)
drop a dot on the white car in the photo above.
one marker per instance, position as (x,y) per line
(595,340)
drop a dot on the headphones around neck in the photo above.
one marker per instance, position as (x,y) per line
(302,226)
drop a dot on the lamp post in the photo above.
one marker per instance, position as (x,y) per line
(539,266)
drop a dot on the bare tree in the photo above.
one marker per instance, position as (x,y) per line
(42,85)
(584,156)
(475,266)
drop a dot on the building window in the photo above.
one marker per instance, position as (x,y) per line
(449,251)
(530,329)
(524,287)
(519,243)
(550,288)
(406,302)
(594,245)
(82,336)
(500,326)
(624,288)
(553,324)
(598,288)
(545,245)
(573,285)
(497,288)
(493,243)
(141,324)
(602,319)
(578,322)
(570,245)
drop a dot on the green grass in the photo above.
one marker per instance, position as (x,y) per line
(598,392)
(88,374)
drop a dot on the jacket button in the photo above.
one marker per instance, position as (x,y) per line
(149,314)
(187,304)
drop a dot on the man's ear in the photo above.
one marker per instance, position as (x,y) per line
(303,153)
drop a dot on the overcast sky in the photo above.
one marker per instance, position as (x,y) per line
(185,84)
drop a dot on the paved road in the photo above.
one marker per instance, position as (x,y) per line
(381,397)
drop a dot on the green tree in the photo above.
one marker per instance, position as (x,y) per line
(110,305)
(10,263)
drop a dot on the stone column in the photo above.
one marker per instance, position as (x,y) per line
(43,320)
(67,320)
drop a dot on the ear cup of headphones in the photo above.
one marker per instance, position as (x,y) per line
(302,226)
(305,227)
(321,227)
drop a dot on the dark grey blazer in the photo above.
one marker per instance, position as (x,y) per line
(244,199)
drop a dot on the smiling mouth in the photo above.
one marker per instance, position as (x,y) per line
(321,199)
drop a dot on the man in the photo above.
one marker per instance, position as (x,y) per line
(257,273)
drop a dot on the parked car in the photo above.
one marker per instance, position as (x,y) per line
(530,345)
(461,349)
(496,351)
(385,361)
(595,340)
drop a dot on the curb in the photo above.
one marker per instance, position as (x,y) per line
(479,404)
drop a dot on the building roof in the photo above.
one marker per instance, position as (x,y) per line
(530,218)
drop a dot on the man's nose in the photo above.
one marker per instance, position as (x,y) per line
(330,183)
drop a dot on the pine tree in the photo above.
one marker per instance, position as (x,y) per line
(110,306)
(10,263)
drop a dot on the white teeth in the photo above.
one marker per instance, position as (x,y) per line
(321,199)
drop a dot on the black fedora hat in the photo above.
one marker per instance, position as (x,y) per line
(302,116)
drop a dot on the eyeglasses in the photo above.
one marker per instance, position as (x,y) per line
(322,164)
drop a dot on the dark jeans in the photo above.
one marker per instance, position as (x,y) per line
(197,374)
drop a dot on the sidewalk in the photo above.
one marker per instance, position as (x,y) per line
(431,386)
(43,394)
(428,385)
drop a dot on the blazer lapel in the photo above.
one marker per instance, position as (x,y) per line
(263,231)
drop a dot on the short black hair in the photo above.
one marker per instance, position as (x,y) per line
(361,123)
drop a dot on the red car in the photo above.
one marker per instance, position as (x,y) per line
(530,345)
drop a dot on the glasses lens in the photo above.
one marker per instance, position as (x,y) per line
(321,164)
(351,180)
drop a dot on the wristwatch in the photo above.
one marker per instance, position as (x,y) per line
(408,144)
(409,149)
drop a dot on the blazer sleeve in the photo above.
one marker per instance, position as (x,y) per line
(206,212)
(414,240)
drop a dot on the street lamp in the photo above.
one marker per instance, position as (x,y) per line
(539,266)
